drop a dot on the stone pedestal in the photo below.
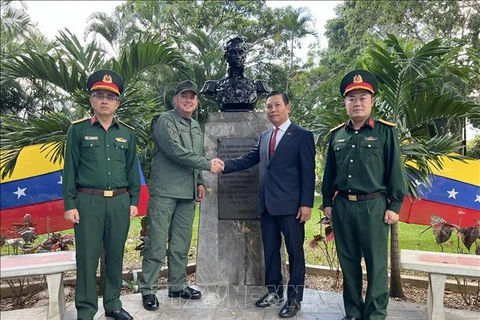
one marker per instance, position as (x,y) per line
(229,251)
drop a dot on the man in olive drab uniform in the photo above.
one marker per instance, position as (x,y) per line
(101,189)
(363,190)
(176,181)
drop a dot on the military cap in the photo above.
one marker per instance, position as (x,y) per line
(106,80)
(186,85)
(358,79)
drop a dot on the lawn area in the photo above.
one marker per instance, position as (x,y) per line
(410,237)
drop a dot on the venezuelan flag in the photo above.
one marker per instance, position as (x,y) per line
(454,196)
(35,187)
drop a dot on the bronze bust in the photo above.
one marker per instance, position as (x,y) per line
(235,92)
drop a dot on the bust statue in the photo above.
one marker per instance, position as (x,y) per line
(235,92)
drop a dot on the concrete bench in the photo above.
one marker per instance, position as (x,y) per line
(439,265)
(52,265)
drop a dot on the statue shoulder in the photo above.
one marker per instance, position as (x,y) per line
(390,124)
(126,125)
(80,120)
(209,86)
(262,87)
(337,127)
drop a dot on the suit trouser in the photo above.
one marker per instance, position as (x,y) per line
(171,220)
(294,234)
(359,228)
(101,220)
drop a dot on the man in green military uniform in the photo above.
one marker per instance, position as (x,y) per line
(363,190)
(101,189)
(176,181)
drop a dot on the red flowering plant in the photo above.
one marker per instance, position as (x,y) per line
(443,230)
(23,236)
(469,237)
(324,242)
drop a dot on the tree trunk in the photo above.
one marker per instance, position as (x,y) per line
(291,66)
(396,289)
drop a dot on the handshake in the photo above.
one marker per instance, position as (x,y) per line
(216,165)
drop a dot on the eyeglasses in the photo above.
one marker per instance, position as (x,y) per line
(109,97)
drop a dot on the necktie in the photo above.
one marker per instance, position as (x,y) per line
(273,141)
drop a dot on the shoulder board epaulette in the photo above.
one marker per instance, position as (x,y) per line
(126,125)
(337,127)
(80,120)
(391,124)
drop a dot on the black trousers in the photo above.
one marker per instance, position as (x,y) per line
(294,233)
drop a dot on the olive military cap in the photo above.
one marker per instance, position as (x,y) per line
(358,79)
(106,80)
(186,85)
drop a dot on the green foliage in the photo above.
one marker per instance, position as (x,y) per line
(473,147)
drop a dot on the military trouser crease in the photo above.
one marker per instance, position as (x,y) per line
(102,221)
(170,223)
(360,230)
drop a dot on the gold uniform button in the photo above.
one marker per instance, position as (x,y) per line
(369,145)
(349,176)
(356,132)
(351,160)
(108,159)
(353,146)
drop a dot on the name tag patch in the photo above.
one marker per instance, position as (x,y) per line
(90,138)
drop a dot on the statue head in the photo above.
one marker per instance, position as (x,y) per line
(235,52)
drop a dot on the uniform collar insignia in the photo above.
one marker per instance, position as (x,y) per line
(120,139)
(371,123)
(93,120)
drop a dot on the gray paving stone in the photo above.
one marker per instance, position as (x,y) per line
(238,303)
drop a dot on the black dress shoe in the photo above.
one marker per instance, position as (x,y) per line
(150,302)
(187,293)
(269,299)
(119,314)
(289,309)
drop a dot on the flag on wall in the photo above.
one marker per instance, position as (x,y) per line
(35,187)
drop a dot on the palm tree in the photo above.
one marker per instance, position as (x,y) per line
(114,30)
(296,23)
(67,70)
(415,90)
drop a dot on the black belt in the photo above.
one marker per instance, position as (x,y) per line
(105,193)
(361,197)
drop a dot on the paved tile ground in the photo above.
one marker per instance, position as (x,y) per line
(232,302)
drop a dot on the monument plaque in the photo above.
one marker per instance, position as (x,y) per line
(237,192)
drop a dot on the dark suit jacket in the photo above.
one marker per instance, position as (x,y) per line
(287,181)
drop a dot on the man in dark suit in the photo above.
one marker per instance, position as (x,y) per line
(286,154)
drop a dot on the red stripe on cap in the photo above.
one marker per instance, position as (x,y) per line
(107,86)
(360,85)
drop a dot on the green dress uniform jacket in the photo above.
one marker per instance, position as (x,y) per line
(102,160)
(364,161)
(361,162)
(99,159)
(178,159)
